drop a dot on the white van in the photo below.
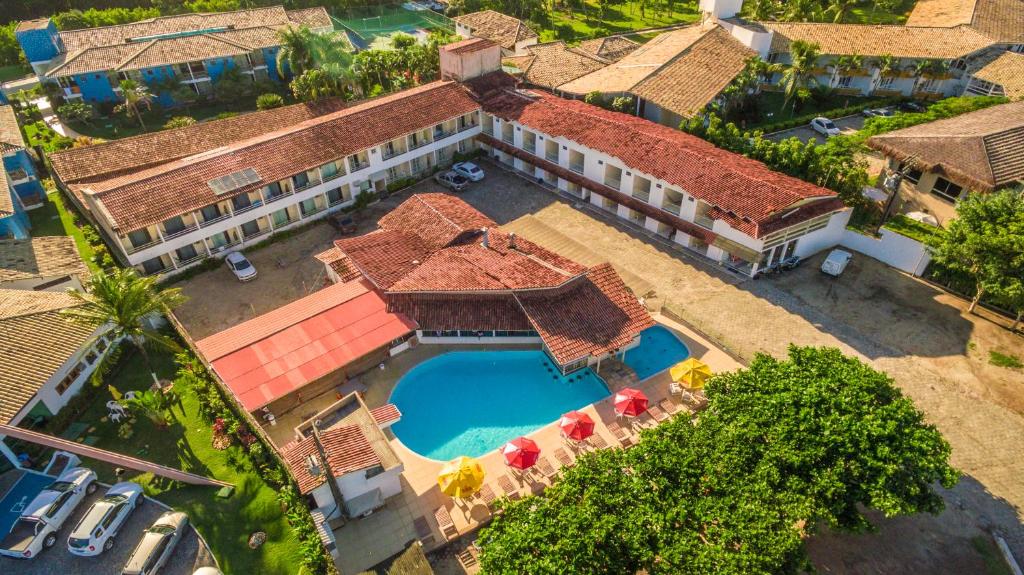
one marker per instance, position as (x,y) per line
(836,262)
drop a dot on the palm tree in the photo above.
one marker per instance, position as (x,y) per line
(154,405)
(296,53)
(839,9)
(125,303)
(884,65)
(802,11)
(798,76)
(135,96)
(845,64)
(313,85)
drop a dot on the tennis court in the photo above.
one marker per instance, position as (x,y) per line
(372,26)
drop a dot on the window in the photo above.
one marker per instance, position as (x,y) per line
(186,253)
(338,195)
(250,228)
(886,83)
(139,238)
(374,471)
(174,225)
(153,265)
(844,82)
(70,378)
(329,171)
(58,503)
(910,174)
(946,189)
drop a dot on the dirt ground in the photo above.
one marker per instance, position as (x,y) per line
(922,337)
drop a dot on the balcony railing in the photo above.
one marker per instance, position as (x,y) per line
(333,176)
(441,134)
(356,166)
(577,167)
(257,234)
(190,260)
(508,138)
(313,212)
(219,218)
(136,249)
(340,200)
(250,207)
(418,144)
(388,154)
(672,208)
(532,148)
(220,248)
(467,126)
(551,156)
(307,185)
(642,195)
(612,183)
(283,223)
(704,222)
(271,199)
(181,232)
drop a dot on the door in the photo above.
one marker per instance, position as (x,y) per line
(379,186)
(790,248)
(776,253)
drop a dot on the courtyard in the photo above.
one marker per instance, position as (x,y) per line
(921,336)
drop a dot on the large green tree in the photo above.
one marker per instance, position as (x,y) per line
(783,447)
(126,304)
(985,241)
(798,77)
(136,96)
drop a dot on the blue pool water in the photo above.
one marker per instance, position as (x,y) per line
(659,349)
(472,402)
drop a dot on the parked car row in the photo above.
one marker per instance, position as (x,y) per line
(37,527)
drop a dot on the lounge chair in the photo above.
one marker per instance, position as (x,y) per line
(545,468)
(445,523)
(563,457)
(466,558)
(506,485)
(597,441)
(669,406)
(486,494)
(620,433)
(657,413)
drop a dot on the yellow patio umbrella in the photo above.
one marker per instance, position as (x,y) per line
(692,373)
(461,477)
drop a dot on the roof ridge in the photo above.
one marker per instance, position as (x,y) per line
(164,17)
(143,48)
(420,199)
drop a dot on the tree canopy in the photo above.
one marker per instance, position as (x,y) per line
(783,447)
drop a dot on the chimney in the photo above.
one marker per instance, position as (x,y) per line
(487,237)
(469,59)
(512,240)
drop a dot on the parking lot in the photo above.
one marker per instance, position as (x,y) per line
(58,561)
(846,124)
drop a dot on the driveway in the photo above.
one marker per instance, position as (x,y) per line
(921,336)
(846,124)
(58,561)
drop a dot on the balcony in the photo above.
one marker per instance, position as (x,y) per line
(642,195)
(388,154)
(672,208)
(612,183)
(250,207)
(508,138)
(334,176)
(191,260)
(704,221)
(551,156)
(356,166)
(419,143)
(463,126)
(530,147)
(181,232)
(576,167)
(257,234)
(219,218)
(312,212)
(307,185)
(441,134)
(271,199)
(222,247)
(135,249)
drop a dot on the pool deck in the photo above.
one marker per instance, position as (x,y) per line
(363,543)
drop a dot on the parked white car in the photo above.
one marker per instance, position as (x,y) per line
(825,126)
(240,266)
(452,180)
(469,170)
(836,262)
(37,527)
(157,544)
(95,532)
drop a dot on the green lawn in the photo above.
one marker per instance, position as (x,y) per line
(39,134)
(869,14)
(771,103)
(54,219)
(587,23)
(913,229)
(186,444)
(13,72)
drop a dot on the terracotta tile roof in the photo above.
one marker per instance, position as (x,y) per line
(622,76)
(981,150)
(340,263)
(497,27)
(152,195)
(468,45)
(40,257)
(35,341)
(438,219)
(941,13)
(610,47)
(347,450)
(37,24)
(6,195)
(1001,20)
(384,256)
(697,76)
(10,133)
(125,155)
(877,40)
(461,311)
(551,65)
(75,40)
(596,314)
(736,184)
(1007,70)
(386,414)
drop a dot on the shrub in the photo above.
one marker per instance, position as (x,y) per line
(269,101)
(224,115)
(179,122)
(76,112)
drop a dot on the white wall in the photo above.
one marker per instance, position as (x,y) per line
(354,484)
(825,238)
(891,248)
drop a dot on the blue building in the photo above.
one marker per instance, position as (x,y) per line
(190,49)
(20,188)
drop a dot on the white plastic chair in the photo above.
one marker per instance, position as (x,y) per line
(115,416)
(114,406)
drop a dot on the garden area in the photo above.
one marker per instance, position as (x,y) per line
(56,219)
(594,18)
(187,441)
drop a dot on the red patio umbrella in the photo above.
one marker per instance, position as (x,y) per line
(576,425)
(521,453)
(630,402)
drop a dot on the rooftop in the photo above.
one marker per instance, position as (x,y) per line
(553,64)
(467,45)
(1006,69)
(150,195)
(981,150)
(497,27)
(35,341)
(878,40)
(175,39)
(40,257)
(1000,20)
(610,47)
(10,134)
(272,355)
(741,187)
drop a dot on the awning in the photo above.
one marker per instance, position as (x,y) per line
(365,503)
(737,250)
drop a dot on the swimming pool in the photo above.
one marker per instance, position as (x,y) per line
(472,402)
(659,349)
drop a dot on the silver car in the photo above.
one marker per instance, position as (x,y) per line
(157,544)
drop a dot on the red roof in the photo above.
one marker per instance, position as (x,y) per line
(386,414)
(745,187)
(450,311)
(347,450)
(272,355)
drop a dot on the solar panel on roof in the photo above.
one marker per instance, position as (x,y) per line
(233,181)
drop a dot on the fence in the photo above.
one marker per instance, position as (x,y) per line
(364,25)
(890,248)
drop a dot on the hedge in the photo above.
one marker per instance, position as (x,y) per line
(804,119)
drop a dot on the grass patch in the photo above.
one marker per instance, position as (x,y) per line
(1007,360)
(994,562)
(13,72)
(913,229)
(54,219)
(869,14)
(771,112)
(39,134)
(587,22)
(187,444)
